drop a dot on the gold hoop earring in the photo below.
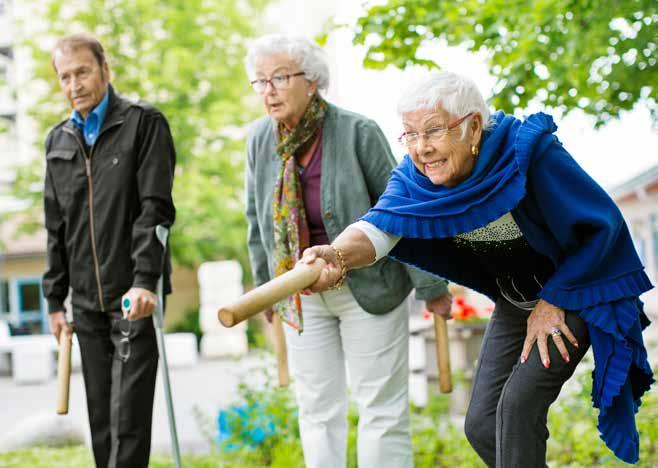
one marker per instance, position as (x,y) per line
(475,150)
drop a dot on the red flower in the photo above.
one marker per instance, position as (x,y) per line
(462,310)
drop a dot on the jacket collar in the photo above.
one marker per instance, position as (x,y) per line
(116,108)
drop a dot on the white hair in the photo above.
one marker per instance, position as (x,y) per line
(454,93)
(309,56)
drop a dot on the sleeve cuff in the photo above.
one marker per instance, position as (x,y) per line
(438,289)
(55,305)
(146,281)
(382,242)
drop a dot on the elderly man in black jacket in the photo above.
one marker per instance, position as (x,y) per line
(109,176)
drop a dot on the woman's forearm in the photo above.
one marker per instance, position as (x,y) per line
(359,245)
(357,249)
(363,244)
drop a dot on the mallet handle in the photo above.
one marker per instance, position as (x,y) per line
(442,353)
(268,294)
(280,350)
(64,372)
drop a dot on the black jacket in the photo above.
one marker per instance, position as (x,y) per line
(102,204)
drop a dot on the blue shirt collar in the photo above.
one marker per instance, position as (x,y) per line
(91,127)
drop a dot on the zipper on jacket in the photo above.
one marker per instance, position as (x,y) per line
(92,232)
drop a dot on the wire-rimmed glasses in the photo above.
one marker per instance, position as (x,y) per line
(277,82)
(434,134)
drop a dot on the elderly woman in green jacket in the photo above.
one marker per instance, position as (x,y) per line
(312,170)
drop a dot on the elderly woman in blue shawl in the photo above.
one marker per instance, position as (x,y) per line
(498,205)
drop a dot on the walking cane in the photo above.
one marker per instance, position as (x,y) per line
(162,233)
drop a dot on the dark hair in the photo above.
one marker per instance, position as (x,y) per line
(81,40)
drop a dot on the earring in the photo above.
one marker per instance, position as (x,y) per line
(475,150)
(309,94)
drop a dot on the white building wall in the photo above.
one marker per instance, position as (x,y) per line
(639,214)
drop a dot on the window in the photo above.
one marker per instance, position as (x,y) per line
(29,295)
(639,242)
(7,52)
(654,239)
(31,316)
(4,297)
(4,7)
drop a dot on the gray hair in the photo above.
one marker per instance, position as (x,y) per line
(309,56)
(454,93)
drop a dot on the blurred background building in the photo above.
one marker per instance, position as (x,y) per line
(638,200)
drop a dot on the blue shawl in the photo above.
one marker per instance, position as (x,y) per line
(563,214)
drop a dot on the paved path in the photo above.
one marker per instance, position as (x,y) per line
(201,389)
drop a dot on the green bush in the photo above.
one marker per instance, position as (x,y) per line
(282,448)
(574,441)
(436,441)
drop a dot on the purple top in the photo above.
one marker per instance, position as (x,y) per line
(310,180)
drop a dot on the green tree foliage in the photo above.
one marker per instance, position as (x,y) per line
(185,57)
(595,55)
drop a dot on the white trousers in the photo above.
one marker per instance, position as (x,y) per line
(375,349)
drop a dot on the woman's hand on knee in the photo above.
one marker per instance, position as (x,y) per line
(547,320)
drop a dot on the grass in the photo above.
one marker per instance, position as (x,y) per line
(80,456)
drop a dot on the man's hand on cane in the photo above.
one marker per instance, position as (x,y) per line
(142,302)
(58,323)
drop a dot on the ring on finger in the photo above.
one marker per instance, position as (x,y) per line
(556,332)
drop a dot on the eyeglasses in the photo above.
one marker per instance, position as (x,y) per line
(277,82)
(434,134)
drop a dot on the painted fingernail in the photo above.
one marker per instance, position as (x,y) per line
(523,359)
(566,358)
(546,363)
(576,344)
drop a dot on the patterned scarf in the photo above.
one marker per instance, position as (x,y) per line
(291,233)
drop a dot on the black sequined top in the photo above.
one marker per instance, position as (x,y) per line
(502,251)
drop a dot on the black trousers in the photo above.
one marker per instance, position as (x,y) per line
(119,365)
(506,422)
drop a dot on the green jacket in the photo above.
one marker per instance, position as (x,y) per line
(356,164)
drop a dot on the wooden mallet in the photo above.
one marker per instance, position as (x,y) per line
(268,294)
(280,350)
(264,297)
(296,280)
(64,372)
